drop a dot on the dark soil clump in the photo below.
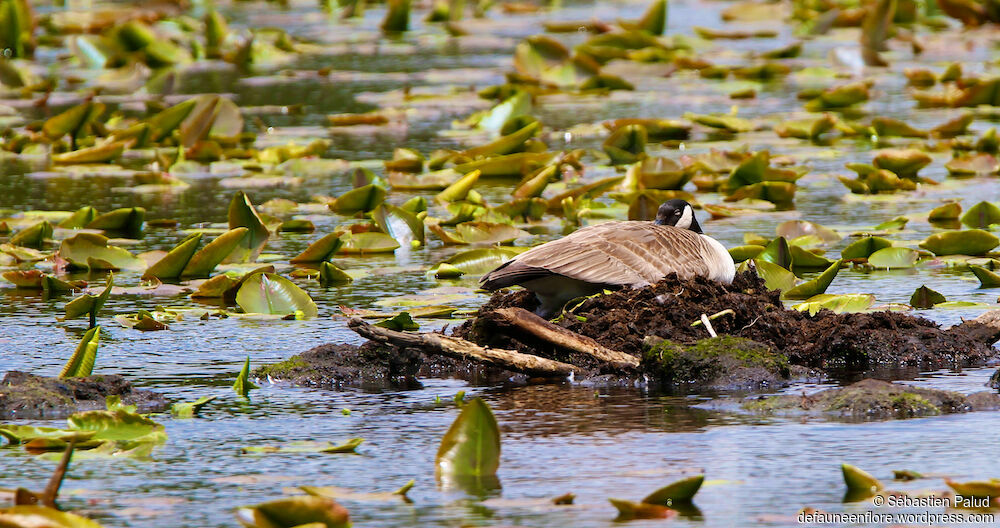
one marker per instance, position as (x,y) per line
(24,395)
(371,366)
(875,399)
(622,321)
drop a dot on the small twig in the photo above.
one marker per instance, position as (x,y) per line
(52,488)
(751,323)
(727,311)
(708,325)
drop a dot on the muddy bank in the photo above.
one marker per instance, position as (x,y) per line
(647,336)
(24,395)
(873,399)
(623,320)
(374,366)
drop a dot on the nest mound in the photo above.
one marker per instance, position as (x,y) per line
(624,319)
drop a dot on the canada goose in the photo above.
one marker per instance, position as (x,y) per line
(616,254)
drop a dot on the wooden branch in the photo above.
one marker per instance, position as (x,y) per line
(432,343)
(985,328)
(560,337)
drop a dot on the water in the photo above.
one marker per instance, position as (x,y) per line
(596,442)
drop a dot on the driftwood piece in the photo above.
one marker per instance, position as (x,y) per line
(432,343)
(985,328)
(560,337)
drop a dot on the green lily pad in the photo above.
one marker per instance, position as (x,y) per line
(243,385)
(42,516)
(117,425)
(127,220)
(360,200)
(243,214)
(173,263)
(88,304)
(775,277)
(330,274)
(843,303)
(864,247)
(307,510)
(626,144)
(858,480)
(681,491)
(32,236)
(268,293)
(974,165)
(982,215)
(480,261)
(813,287)
(471,446)
(948,211)
(399,322)
(81,364)
(968,242)
(458,190)
(777,252)
(361,243)
(987,279)
(320,250)
(214,253)
(403,226)
(893,258)
(924,297)
(190,409)
(306,447)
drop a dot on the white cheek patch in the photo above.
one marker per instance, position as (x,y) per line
(686,217)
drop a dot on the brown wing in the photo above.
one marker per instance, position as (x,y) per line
(613,253)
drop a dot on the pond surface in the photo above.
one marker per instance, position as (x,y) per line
(596,442)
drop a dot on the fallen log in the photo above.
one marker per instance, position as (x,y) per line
(432,343)
(542,330)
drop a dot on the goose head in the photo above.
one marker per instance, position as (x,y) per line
(677,213)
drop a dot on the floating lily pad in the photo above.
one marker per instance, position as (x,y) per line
(859,481)
(362,243)
(267,293)
(81,364)
(893,258)
(676,492)
(290,512)
(924,297)
(320,250)
(843,303)
(864,247)
(982,215)
(471,446)
(813,287)
(968,242)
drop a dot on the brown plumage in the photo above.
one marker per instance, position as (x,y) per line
(612,254)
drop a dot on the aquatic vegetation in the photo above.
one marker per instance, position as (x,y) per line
(470,449)
(294,172)
(81,363)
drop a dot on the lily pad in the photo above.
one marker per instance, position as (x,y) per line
(268,293)
(982,215)
(471,446)
(813,287)
(843,303)
(676,492)
(968,242)
(81,364)
(924,297)
(893,258)
(307,510)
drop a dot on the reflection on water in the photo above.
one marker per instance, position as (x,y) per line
(596,442)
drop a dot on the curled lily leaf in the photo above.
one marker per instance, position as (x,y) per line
(925,297)
(81,364)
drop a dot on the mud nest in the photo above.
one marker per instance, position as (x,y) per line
(622,320)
